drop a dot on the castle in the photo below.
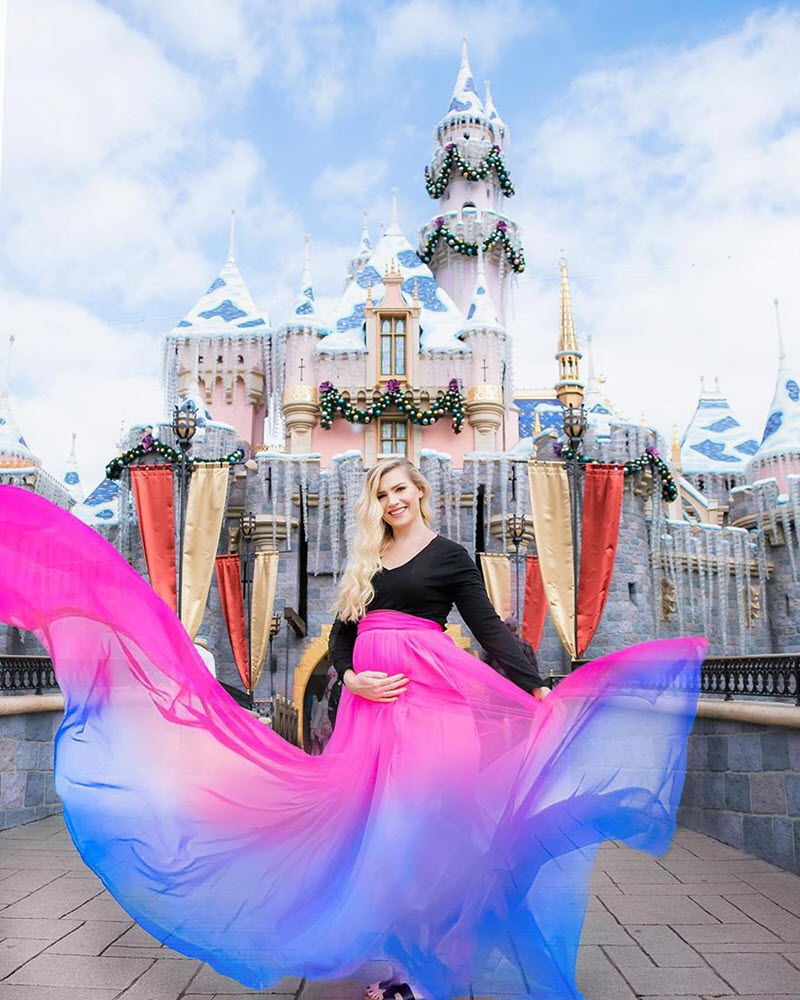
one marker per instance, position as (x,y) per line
(416,359)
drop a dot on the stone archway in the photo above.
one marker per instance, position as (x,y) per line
(312,654)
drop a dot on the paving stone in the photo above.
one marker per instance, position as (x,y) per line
(722,909)
(52,900)
(668,982)
(782,923)
(79,971)
(667,910)
(748,974)
(691,888)
(208,981)
(665,947)
(602,928)
(8,992)
(15,952)
(101,909)
(48,929)
(91,938)
(717,870)
(738,934)
(651,875)
(164,980)
(628,956)
(782,888)
(599,978)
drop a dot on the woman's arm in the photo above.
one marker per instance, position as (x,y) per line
(341,643)
(485,624)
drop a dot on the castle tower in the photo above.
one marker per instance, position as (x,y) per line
(72,478)
(486,336)
(225,342)
(296,345)
(569,388)
(14,451)
(469,179)
(778,454)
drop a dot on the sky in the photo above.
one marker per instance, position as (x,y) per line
(656,144)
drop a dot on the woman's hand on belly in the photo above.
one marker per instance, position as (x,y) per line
(375,685)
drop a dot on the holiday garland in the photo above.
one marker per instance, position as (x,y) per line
(454,160)
(332,402)
(150,445)
(651,458)
(516,258)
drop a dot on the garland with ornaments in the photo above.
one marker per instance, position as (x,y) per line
(454,160)
(152,446)
(650,458)
(516,258)
(333,403)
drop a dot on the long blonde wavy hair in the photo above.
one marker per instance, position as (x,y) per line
(373,537)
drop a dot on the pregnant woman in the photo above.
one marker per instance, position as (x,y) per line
(448,828)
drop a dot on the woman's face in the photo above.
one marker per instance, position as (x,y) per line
(399,498)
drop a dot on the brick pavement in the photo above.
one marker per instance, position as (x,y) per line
(704,921)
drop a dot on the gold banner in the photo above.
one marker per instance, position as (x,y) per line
(550,504)
(204,512)
(497,577)
(265,579)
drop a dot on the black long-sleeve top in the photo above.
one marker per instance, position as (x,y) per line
(427,586)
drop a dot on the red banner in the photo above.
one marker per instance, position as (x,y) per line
(155,509)
(229,581)
(534,607)
(602,506)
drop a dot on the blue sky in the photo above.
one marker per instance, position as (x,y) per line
(657,144)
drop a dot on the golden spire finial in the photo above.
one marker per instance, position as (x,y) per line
(567,341)
(537,424)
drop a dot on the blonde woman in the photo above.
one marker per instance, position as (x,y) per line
(449,826)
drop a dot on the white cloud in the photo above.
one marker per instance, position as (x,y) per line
(670,180)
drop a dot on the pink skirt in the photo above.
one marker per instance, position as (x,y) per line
(451,832)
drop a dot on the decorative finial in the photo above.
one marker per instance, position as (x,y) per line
(567,340)
(7,378)
(395,223)
(231,235)
(74,439)
(702,385)
(537,424)
(464,54)
(781,348)
(676,447)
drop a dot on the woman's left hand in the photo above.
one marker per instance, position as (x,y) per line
(541,692)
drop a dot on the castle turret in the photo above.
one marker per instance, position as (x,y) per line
(778,454)
(72,478)
(296,344)
(469,178)
(569,388)
(225,340)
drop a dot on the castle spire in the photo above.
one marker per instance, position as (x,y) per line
(482,313)
(781,345)
(394,225)
(304,305)
(465,94)
(498,126)
(365,245)
(72,479)
(569,388)
(231,235)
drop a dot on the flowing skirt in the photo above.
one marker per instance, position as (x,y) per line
(451,832)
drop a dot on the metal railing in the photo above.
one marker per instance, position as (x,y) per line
(771,675)
(27,673)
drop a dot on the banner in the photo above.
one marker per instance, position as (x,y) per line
(550,504)
(534,608)
(208,492)
(602,506)
(229,581)
(155,508)
(265,579)
(496,569)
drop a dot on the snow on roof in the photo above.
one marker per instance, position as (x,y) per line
(101,507)
(715,442)
(782,430)
(465,101)
(303,313)
(499,127)
(481,314)
(226,309)
(71,477)
(440,319)
(14,450)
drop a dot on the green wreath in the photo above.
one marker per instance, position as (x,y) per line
(516,258)
(333,403)
(454,160)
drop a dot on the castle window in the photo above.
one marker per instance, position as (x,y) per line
(393,437)
(468,204)
(393,346)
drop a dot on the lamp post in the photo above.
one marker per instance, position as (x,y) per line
(575,428)
(247,526)
(184,425)
(516,528)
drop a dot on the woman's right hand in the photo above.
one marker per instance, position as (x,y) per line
(375,685)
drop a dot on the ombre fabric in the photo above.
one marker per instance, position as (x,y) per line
(452,832)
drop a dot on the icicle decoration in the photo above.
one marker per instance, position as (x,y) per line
(304,495)
(761,549)
(739,542)
(335,502)
(324,479)
(686,546)
(288,490)
(723,577)
(697,544)
(504,470)
(786,524)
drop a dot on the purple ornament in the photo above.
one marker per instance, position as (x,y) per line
(502,226)
(651,451)
(148,441)
(454,385)
(449,147)
(392,385)
(325,386)
(440,222)
(558,447)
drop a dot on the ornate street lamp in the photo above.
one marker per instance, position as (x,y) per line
(247,526)
(575,423)
(184,425)
(517,525)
